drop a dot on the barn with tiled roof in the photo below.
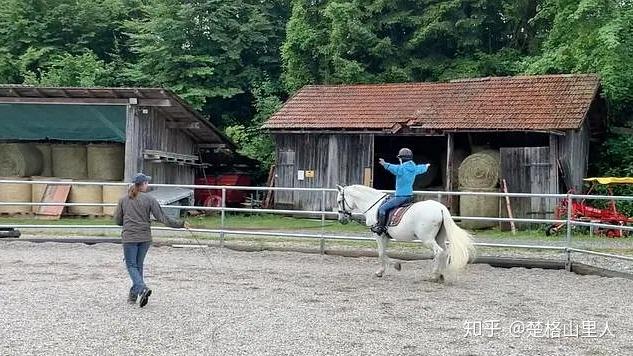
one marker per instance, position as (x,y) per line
(336,133)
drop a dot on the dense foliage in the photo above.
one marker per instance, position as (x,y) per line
(236,60)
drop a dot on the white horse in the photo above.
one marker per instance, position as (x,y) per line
(428,221)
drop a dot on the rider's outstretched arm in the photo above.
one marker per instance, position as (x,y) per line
(422,168)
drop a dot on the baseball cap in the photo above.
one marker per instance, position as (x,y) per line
(141,178)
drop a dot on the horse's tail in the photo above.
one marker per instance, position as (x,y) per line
(460,243)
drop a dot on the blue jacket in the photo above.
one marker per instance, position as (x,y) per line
(405,176)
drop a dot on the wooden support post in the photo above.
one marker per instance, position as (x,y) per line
(133,151)
(450,146)
(505,190)
(550,204)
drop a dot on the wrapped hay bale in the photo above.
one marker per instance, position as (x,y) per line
(474,206)
(111,195)
(479,170)
(105,162)
(12,192)
(85,194)
(19,160)
(47,159)
(69,161)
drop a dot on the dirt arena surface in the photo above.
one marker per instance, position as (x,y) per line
(71,299)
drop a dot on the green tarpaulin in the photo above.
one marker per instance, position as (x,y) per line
(35,122)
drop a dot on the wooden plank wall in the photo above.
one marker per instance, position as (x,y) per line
(149,131)
(335,159)
(574,156)
(528,170)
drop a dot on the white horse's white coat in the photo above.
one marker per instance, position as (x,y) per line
(428,221)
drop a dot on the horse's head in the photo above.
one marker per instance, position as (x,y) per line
(344,205)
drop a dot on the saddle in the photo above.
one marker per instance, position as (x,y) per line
(396,214)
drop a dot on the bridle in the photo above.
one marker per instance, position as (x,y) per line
(344,212)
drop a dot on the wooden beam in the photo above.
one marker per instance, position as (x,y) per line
(211,145)
(114,93)
(184,125)
(450,147)
(138,93)
(84,101)
(133,157)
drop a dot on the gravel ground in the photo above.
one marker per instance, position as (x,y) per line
(70,299)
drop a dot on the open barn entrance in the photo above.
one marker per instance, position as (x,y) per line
(432,149)
(426,149)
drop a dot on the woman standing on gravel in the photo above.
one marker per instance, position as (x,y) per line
(133,213)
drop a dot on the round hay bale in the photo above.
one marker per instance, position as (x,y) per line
(111,195)
(493,153)
(478,148)
(47,159)
(20,160)
(484,206)
(458,157)
(69,161)
(85,194)
(105,161)
(37,191)
(12,192)
(479,170)
(425,180)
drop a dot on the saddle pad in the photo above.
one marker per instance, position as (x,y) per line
(396,215)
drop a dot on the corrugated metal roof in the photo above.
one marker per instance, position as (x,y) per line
(548,102)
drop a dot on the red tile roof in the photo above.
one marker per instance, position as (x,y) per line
(548,102)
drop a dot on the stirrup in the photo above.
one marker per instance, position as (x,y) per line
(378,229)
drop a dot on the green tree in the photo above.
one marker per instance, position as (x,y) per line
(591,36)
(41,36)
(253,141)
(350,41)
(208,51)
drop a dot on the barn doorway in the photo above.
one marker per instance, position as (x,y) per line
(426,149)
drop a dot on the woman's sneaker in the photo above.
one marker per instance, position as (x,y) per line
(144,297)
(131,298)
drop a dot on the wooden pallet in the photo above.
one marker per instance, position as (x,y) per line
(157,156)
(54,193)
(17,214)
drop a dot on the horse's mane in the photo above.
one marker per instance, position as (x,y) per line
(364,189)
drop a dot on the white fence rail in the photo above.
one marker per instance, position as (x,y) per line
(222,231)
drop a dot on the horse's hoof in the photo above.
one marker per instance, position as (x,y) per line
(437,279)
(397,266)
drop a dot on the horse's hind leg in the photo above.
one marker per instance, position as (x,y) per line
(428,240)
(442,262)
(439,261)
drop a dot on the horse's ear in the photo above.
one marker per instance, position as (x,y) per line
(340,188)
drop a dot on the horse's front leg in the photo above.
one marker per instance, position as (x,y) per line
(382,254)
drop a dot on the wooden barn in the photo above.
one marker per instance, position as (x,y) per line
(156,132)
(540,127)
(98,134)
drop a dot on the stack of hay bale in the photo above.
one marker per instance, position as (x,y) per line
(479,172)
(42,161)
(18,161)
(106,164)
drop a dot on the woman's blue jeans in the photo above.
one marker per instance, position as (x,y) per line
(134,254)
